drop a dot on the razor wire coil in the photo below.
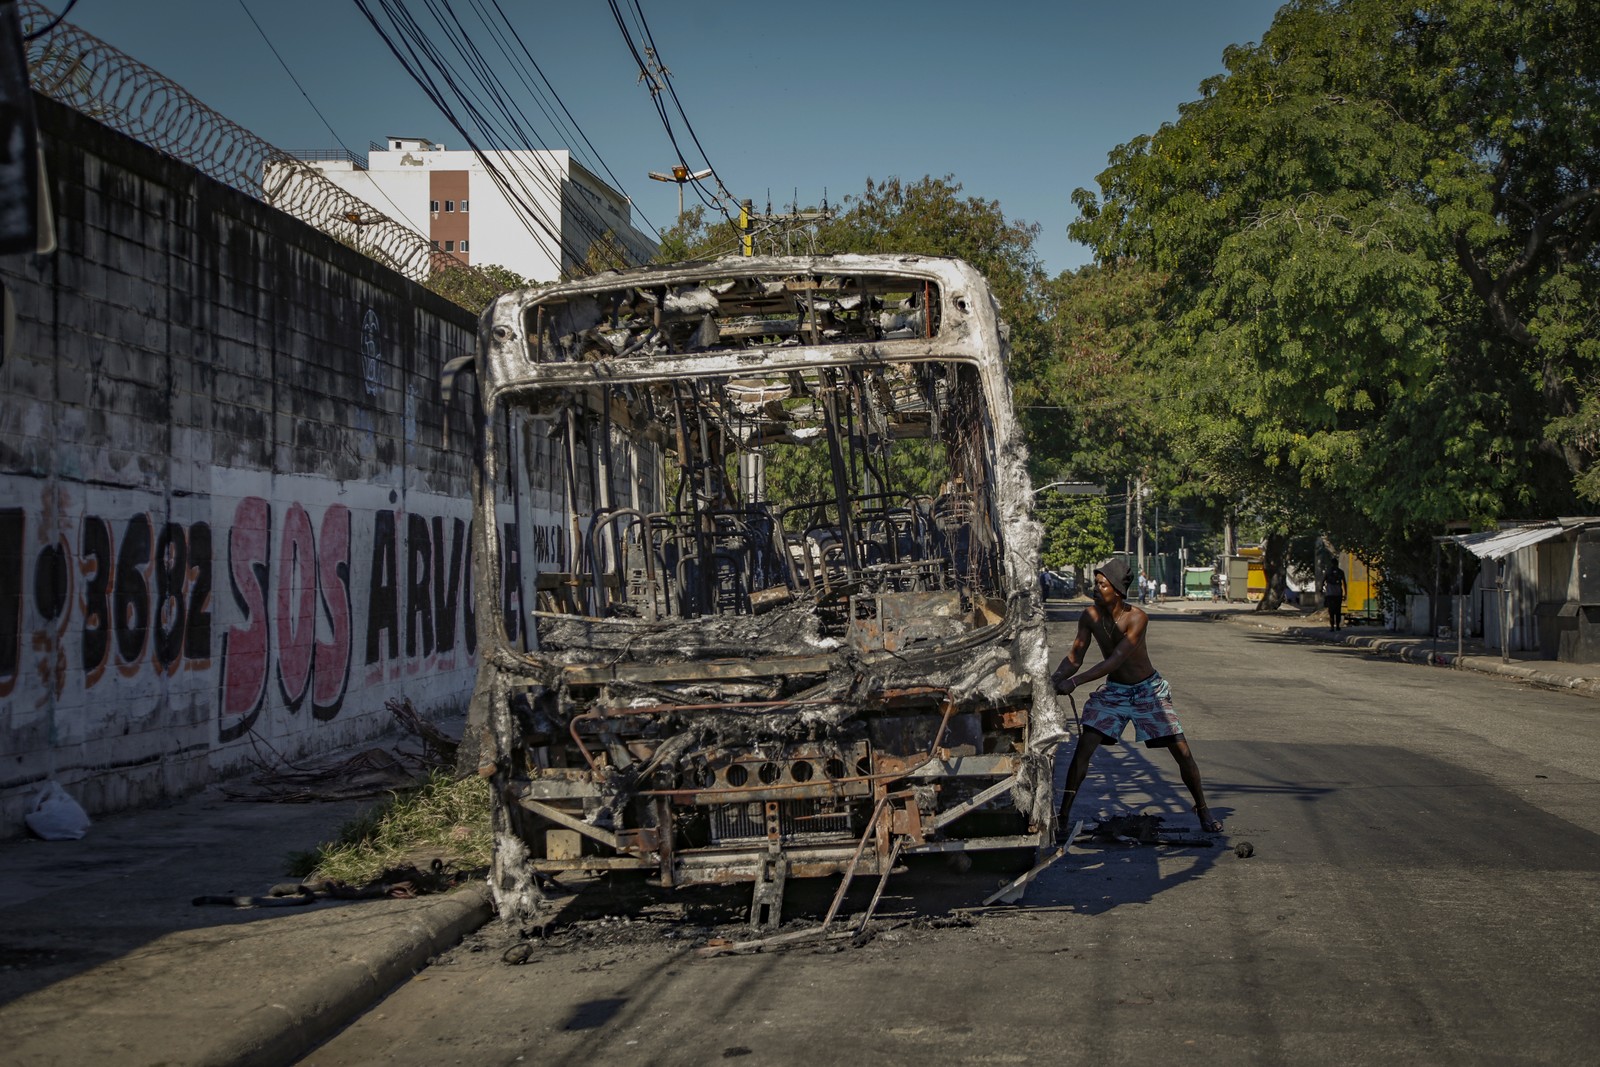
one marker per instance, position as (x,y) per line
(84,73)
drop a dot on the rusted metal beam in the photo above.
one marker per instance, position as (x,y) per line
(975,844)
(594,863)
(724,867)
(883,880)
(945,818)
(700,670)
(855,860)
(724,705)
(833,787)
(734,948)
(983,766)
(561,818)
(1012,891)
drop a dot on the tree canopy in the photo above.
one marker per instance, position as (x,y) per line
(1077,533)
(474,288)
(1375,244)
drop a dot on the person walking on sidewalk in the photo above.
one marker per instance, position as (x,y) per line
(1333,596)
(1134,690)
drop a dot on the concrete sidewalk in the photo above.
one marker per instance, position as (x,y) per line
(1583,678)
(104,959)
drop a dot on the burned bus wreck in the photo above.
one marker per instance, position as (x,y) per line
(757,576)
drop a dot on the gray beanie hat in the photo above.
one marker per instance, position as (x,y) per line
(1116,572)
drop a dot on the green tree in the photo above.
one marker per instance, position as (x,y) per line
(930,217)
(697,235)
(1096,410)
(1077,533)
(1377,232)
(474,288)
(1090,404)
(604,253)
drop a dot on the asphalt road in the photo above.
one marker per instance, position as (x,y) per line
(1425,889)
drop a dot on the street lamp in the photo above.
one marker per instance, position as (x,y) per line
(682,176)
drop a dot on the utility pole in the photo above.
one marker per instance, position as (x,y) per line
(790,219)
(1138,518)
(1156,537)
(682,176)
(1127,515)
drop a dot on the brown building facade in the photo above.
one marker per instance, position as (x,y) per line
(449,214)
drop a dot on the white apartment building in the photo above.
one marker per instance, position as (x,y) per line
(451,197)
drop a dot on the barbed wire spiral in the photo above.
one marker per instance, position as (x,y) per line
(85,73)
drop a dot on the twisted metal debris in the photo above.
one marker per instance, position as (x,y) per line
(87,74)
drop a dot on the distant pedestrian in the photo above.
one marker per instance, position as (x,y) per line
(1134,691)
(1333,596)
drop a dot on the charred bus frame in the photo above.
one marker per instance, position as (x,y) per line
(687,670)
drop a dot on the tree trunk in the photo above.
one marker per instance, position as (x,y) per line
(1275,565)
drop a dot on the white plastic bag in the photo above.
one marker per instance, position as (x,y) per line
(55,816)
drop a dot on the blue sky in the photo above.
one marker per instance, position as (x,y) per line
(1020,101)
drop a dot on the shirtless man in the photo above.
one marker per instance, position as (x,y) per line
(1133,690)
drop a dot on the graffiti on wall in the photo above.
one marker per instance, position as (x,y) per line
(134,592)
(290,604)
(299,627)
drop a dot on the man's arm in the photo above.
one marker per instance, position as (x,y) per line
(1129,641)
(1080,643)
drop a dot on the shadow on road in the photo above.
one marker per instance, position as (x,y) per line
(1349,806)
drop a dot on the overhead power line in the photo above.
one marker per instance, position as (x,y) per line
(658,79)
(399,40)
(666,78)
(534,63)
(446,62)
(399,213)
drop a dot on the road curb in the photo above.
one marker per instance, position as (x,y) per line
(264,992)
(289,1029)
(1411,652)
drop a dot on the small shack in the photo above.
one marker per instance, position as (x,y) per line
(1243,576)
(1538,588)
(1199,583)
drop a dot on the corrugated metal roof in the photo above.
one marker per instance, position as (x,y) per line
(1497,544)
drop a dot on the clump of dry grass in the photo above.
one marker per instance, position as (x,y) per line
(443,817)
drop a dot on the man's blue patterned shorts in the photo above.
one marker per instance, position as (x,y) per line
(1148,704)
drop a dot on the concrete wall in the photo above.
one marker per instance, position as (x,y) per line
(229,527)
